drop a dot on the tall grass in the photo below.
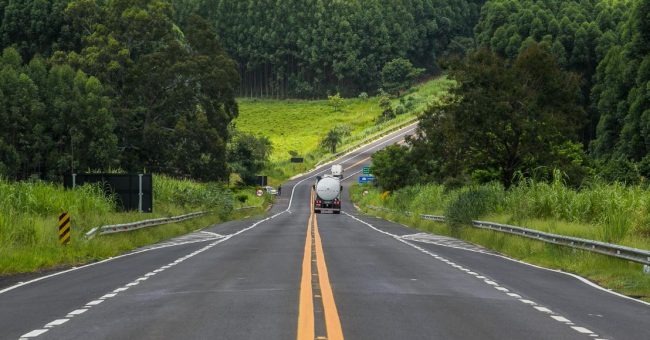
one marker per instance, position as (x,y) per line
(607,212)
(29,211)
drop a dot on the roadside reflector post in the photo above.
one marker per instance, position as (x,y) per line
(140,192)
(74,181)
(64,228)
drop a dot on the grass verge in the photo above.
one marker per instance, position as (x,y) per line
(28,232)
(619,275)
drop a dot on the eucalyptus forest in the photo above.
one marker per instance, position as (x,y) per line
(153,84)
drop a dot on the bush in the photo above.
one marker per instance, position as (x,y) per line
(363,96)
(335,101)
(474,202)
(620,170)
(400,110)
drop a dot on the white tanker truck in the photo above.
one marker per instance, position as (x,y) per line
(327,196)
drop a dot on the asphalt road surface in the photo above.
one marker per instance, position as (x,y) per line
(295,275)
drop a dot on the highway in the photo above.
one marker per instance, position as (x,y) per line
(294,275)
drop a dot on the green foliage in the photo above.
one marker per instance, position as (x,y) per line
(91,84)
(336,102)
(390,166)
(502,119)
(56,119)
(619,170)
(363,96)
(300,125)
(621,92)
(35,27)
(331,140)
(398,75)
(30,210)
(248,155)
(600,211)
(467,205)
(387,112)
(306,49)
(620,275)
(578,33)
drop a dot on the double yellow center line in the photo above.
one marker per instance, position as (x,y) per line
(314,253)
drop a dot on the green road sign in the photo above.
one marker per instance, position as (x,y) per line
(366,170)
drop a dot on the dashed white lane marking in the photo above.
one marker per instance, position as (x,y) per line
(582,330)
(445,241)
(544,309)
(34,333)
(561,318)
(57,322)
(77,312)
(141,279)
(94,302)
(193,239)
(486,280)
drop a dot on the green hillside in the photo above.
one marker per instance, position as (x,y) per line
(300,125)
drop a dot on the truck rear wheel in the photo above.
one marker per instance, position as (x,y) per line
(337,212)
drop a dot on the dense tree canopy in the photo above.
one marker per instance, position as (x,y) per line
(622,91)
(502,119)
(308,48)
(54,119)
(121,81)
(94,84)
(578,32)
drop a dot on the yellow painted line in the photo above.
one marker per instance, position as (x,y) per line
(306,305)
(332,321)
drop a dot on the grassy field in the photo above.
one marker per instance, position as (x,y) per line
(606,212)
(299,125)
(28,233)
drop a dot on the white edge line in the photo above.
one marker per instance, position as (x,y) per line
(397,134)
(575,276)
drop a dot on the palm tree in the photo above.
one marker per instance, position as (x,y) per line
(331,140)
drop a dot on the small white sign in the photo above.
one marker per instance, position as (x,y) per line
(259,193)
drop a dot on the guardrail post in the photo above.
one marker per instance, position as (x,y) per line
(140,192)
(74,181)
(646,268)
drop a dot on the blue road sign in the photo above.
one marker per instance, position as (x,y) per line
(366,179)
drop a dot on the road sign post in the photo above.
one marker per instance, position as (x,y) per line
(64,228)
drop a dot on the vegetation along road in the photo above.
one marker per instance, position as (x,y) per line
(293,274)
(242,124)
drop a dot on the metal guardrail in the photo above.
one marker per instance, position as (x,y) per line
(119,228)
(615,250)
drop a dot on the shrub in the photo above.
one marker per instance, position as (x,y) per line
(469,204)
